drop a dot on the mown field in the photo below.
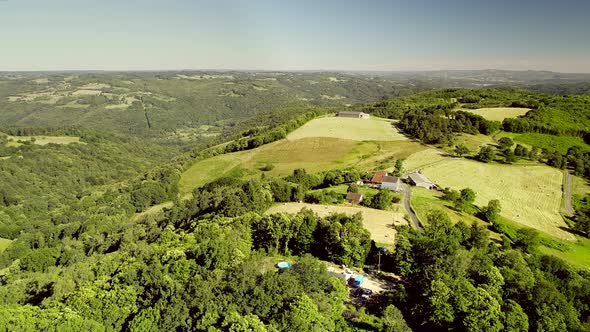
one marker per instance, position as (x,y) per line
(380,223)
(313,153)
(372,129)
(529,195)
(499,113)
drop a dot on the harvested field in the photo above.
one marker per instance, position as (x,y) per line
(372,129)
(499,113)
(86,92)
(424,158)
(378,222)
(529,195)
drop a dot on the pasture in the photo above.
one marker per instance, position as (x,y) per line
(378,222)
(529,195)
(315,154)
(549,142)
(372,129)
(499,113)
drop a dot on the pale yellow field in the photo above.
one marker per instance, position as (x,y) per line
(499,113)
(43,140)
(529,195)
(86,92)
(424,158)
(372,129)
(380,223)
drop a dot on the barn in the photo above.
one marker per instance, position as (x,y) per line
(392,183)
(356,115)
(419,180)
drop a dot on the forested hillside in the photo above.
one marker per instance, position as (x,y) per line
(97,236)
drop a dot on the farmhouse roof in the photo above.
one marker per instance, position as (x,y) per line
(378,177)
(417,178)
(390,179)
(354,197)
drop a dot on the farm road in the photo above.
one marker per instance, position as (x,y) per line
(567,195)
(408,207)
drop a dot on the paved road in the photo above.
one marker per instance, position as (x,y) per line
(413,216)
(568,192)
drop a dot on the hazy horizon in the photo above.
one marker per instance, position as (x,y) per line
(338,36)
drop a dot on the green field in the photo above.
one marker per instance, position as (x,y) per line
(314,154)
(372,129)
(380,223)
(529,195)
(4,243)
(549,142)
(499,113)
(42,140)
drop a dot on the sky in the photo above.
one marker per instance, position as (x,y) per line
(394,35)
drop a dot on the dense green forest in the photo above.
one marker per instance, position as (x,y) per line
(87,254)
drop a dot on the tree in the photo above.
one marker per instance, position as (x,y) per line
(466,199)
(352,188)
(515,319)
(509,156)
(393,320)
(505,143)
(382,200)
(399,168)
(461,150)
(527,239)
(492,211)
(486,154)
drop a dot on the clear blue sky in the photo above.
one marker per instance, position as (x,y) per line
(295,35)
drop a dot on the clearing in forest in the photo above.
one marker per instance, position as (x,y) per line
(499,113)
(372,129)
(379,223)
(530,195)
(43,140)
(4,243)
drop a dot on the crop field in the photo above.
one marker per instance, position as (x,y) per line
(380,223)
(372,129)
(313,154)
(43,140)
(4,243)
(529,195)
(499,113)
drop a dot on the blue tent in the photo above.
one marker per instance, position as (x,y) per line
(283,265)
(358,280)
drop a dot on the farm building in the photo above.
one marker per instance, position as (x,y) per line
(354,198)
(391,183)
(419,180)
(357,115)
(378,177)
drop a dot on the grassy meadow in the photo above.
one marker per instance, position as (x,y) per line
(549,142)
(380,223)
(529,195)
(499,113)
(372,129)
(42,140)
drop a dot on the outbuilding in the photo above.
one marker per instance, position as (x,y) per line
(419,180)
(392,183)
(354,198)
(357,115)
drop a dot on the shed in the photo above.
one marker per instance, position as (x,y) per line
(357,115)
(419,180)
(354,198)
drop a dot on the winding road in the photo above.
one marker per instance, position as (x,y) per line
(408,207)
(567,192)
